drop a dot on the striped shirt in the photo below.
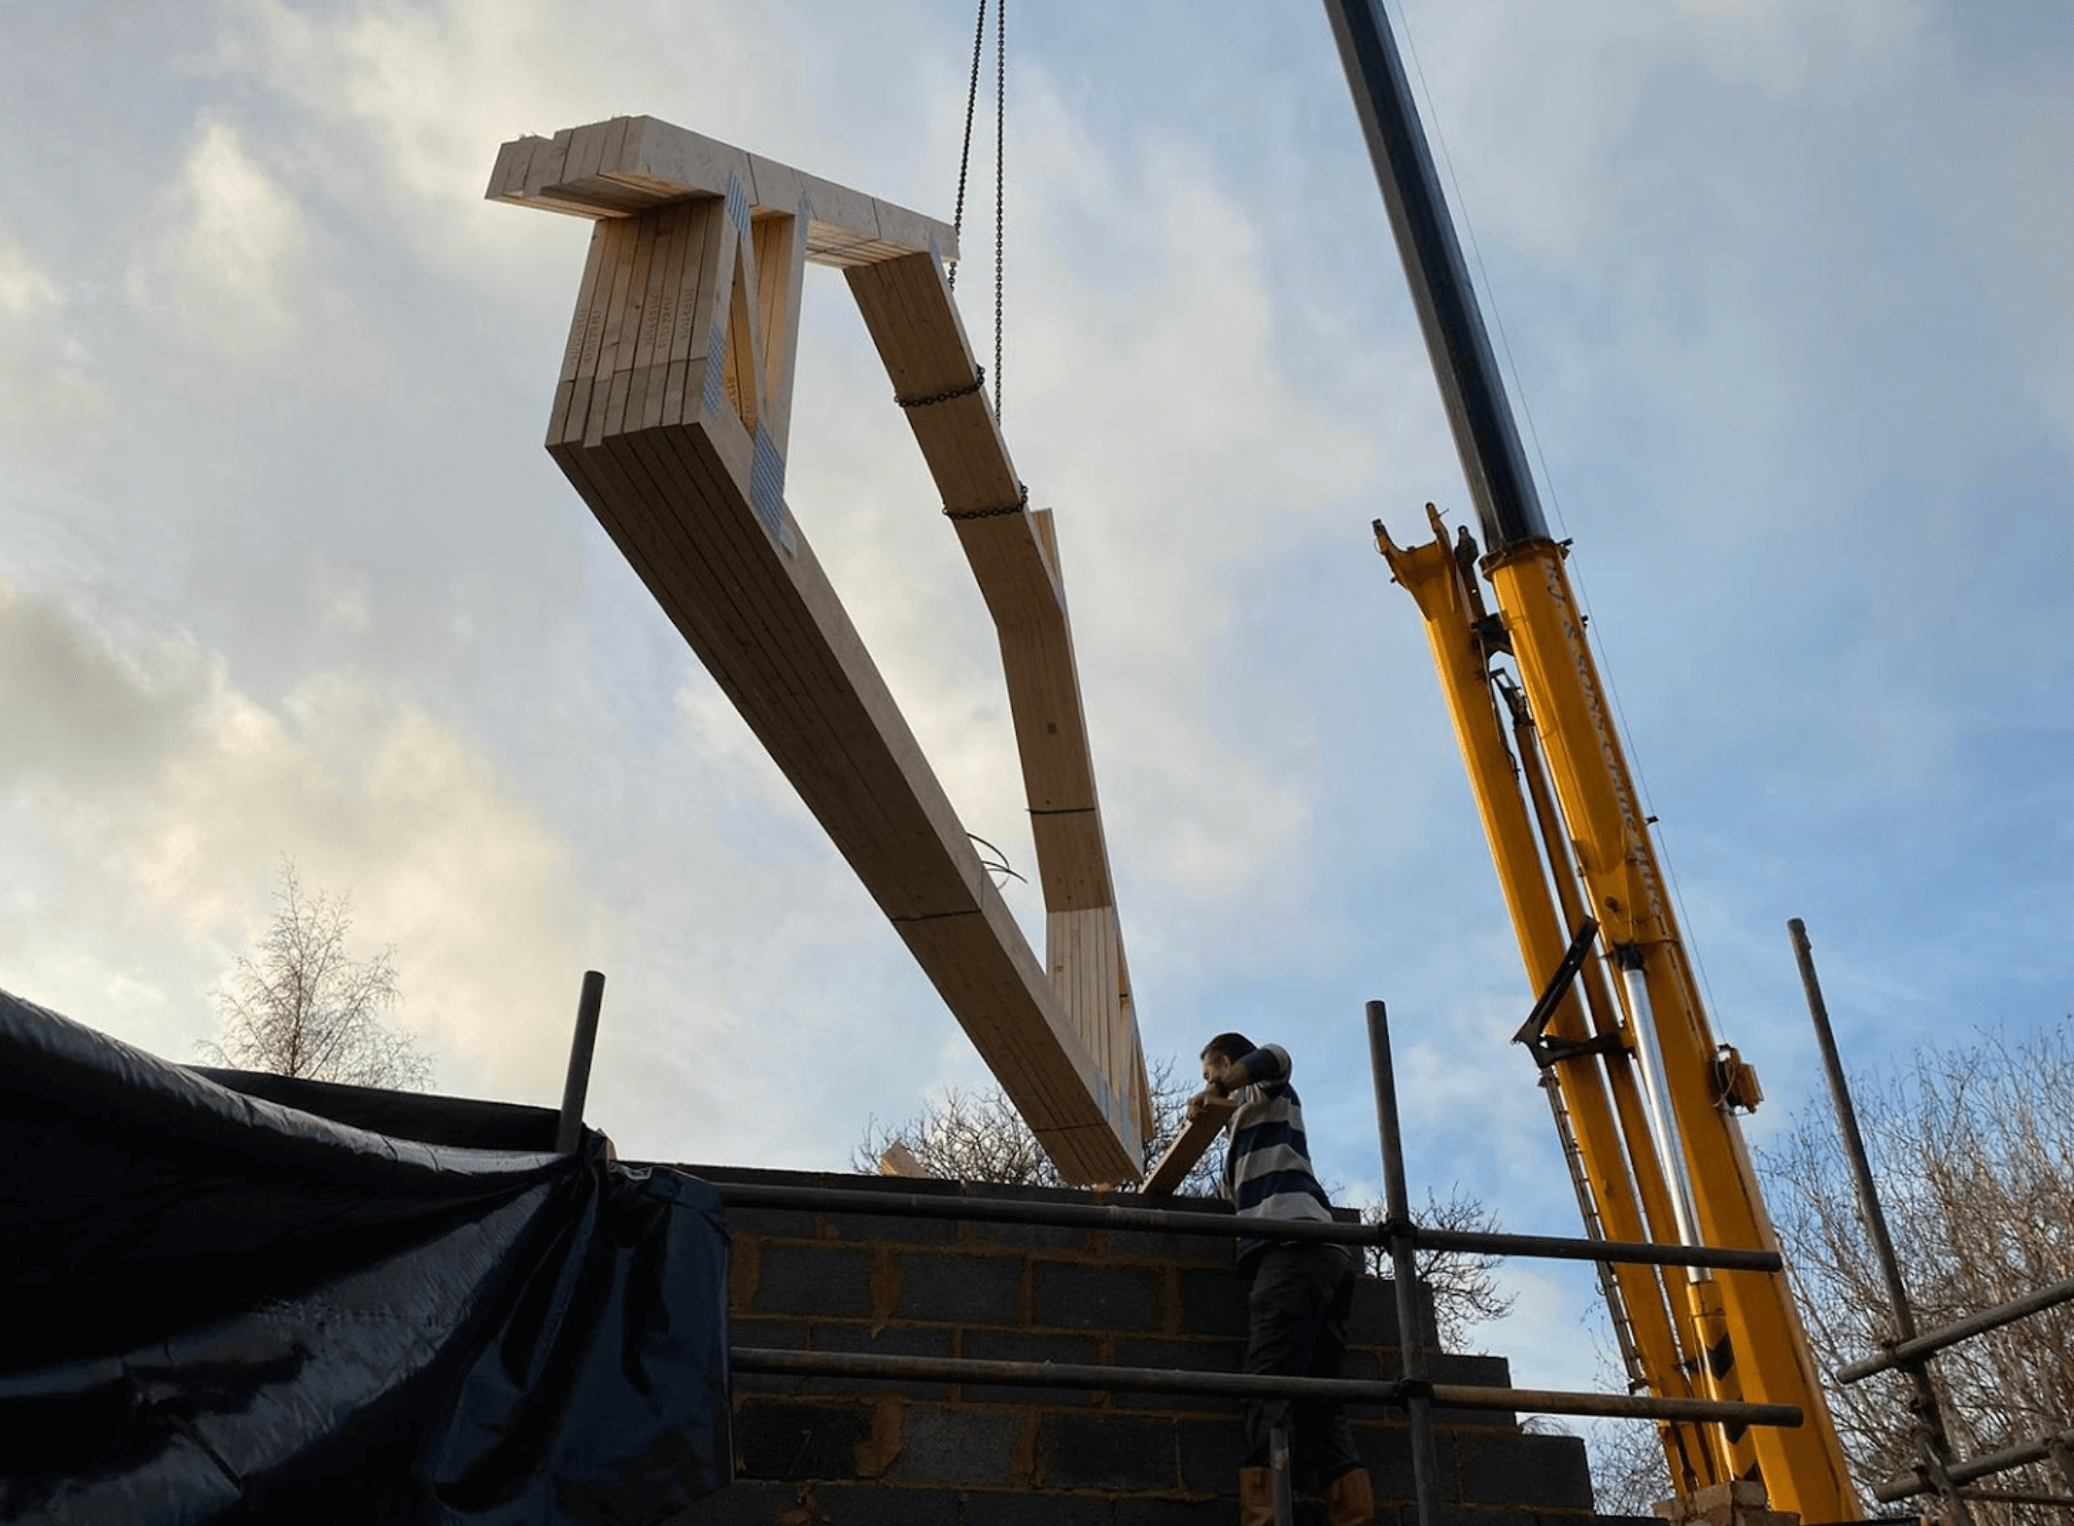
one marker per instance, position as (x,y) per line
(1267,1164)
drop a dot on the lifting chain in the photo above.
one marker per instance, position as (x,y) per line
(979,35)
(1021,503)
(949,394)
(1000,181)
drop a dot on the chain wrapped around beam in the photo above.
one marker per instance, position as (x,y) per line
(948,395)
(1021,503)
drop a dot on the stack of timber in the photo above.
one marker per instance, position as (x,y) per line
(671,417)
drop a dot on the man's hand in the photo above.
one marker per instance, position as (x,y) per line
(1201,1100)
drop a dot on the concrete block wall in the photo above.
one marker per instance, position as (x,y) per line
(862,1453)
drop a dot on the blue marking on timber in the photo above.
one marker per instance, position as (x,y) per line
(716,369)
(767,490)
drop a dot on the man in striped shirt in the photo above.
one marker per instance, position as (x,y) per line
(1298,1293)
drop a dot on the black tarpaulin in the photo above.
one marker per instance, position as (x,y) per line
(227,1297)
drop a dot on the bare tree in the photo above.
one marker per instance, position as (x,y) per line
(1628,1471)
(1974,1152)
(1465,1293)
(978,1136)
(300,1006)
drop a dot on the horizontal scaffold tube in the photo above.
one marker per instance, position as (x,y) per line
(1901,1353)
(1902,1485)
(1168,1221)
(1241,1385)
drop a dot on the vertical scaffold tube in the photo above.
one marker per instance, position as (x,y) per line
(1411,1339)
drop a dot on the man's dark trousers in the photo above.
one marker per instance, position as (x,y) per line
(1297,1300)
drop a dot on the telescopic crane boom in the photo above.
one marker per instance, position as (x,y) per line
(1645,1098)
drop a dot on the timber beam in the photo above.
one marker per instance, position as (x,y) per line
(670,419)
(1014,556)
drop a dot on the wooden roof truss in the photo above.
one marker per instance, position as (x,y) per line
(670,418)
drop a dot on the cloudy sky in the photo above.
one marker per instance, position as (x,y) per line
(285,570)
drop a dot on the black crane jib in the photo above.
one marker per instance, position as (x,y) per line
(1486,435)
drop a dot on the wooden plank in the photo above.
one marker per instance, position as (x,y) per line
(710,289)
(898,1160)
(1072,861)
(545,168)
(816,665)
(674,161)
(627,165)
(913,322)
(500,172)
(615,243)
(980,964)
(579,326)
(636,316)
(1136,1068)
(929,349)
(773,184)
(1051,730)
(597,366)
(1017,579)
(659,319)
(902,229)
(625,533)
(847,802)
(661,450)
(522,161)
(781,255)
(841,213)
(686,354)
(985,972)
(566,179)
(659,322)
(744,372)
(908,310)
(586,152)
(1080,947)
(1118,1014)
(1016,574)
(802,701)
(700,585)
(1179,1158)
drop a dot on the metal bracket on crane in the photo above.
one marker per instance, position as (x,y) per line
(1532,1033)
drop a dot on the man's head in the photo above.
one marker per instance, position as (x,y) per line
(1223,1052)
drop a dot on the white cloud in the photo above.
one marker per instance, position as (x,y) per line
(158,795)
(49,397)
(225,266)
(1983,158)
(402,107)
(25,291)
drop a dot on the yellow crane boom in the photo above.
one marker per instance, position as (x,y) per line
(1647,1096)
